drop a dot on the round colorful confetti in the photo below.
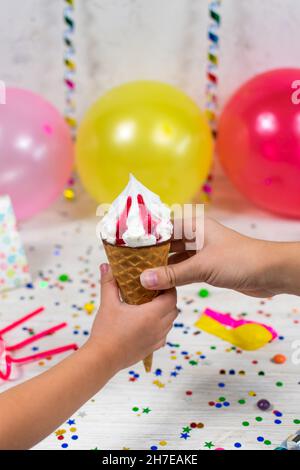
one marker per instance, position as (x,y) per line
(263,404)
(279,359)
(89,308)
(69,194)
(203,293)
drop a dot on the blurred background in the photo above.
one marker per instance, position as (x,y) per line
(122,40)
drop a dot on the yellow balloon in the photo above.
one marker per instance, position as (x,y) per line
(150,129)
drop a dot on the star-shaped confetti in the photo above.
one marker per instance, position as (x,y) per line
(158,383)
(71,421)
(184,435)
(193,362)
(146,410)
(209,445)
(186,429)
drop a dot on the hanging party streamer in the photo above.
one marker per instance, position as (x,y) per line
(212,78)
(213,63)
(70,66)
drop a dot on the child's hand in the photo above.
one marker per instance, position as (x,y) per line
(121,336)
(131,332)
(228,259)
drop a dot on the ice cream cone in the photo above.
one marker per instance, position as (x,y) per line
(127,264)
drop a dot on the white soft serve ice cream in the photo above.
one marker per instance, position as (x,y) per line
(136,218)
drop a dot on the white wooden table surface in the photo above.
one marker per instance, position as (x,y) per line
(139,411)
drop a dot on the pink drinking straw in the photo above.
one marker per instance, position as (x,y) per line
(21,320)
(34,357)
(43,354)
(34,338)
(5,375)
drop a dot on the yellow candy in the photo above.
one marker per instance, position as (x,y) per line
(89,308)
(69,194)
(162,443)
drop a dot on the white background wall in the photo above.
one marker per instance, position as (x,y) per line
(120,40)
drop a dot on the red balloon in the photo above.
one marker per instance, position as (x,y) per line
(259,140)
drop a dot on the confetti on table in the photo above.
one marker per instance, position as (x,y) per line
(201,390)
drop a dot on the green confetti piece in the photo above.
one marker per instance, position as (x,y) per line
(193,363)
(203,293)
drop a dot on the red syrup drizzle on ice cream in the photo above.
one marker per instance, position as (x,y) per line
(146,217)
(122,222)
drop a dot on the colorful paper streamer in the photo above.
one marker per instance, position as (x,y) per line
(70,66)
(212,78)
(212,73)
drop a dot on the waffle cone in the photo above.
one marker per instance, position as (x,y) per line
(127,264)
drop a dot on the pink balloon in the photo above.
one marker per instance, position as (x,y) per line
(36,152)
(259,141)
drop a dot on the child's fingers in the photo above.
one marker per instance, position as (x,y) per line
(165,302)
(160,344)
(109,288)
(166,277)
(167,321)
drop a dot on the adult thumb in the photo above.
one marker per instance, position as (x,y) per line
(109,288)
(170,276)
